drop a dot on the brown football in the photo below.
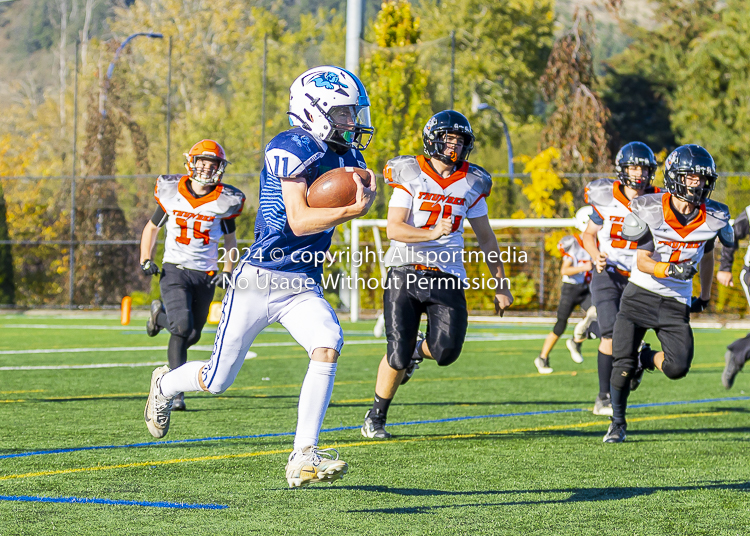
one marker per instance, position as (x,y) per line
(336,188)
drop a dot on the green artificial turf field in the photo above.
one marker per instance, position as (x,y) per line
(533,462)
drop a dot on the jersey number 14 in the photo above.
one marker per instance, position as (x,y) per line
(197,232)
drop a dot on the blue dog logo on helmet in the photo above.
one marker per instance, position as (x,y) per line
(327,80)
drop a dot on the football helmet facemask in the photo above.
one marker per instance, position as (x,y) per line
(636,153)
(332,104)
(690,160)
(210,150)
(433,136)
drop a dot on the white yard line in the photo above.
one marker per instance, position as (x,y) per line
(471,338)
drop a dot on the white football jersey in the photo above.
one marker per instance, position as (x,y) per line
(429,197)
(612,206)
(674,242)
(572,247)
(193,226)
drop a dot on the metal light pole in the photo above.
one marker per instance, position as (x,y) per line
(477,106)
(71,251)
(169,102)
(111,68)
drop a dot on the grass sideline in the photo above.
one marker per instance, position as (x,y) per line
(683,469)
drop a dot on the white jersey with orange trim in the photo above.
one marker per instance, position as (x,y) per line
(674,242)
(572,247)
(429,197)
(612,206)
(193,226)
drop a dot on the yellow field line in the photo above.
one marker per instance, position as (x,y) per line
(353,382)
(357,444)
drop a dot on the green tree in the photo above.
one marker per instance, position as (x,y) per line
(642,81)
(712,104)
(397,86)
(577,118)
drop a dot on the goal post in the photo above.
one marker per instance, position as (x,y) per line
(376,225)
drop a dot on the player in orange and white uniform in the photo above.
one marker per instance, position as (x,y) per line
(196,210)
(576,276)
(675,232)
(432,198)
(613,256)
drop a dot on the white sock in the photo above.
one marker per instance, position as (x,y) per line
(313,402)
(183,379)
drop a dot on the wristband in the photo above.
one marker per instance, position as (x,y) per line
(660,270)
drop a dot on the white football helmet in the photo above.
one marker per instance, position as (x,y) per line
(582,217)
(332,105)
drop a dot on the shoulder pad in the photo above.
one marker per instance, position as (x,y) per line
(599,192)
(566,243)
(402,170)
(479,179)
(290,153)
(717,215)
(649,209)
(166,186)
(231,200)
(633,228)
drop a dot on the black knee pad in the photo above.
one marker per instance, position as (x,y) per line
(621,375)
(399,355)
(560,326)
(445,356)
(675,371)
(180,324)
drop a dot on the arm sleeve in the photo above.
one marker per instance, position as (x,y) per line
(160,217)
(228,226)
(400,199)
(710,244)
(741,229)
(596,218)
(646,242)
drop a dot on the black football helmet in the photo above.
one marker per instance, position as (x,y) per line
(440,124)
(635,153)
(690,160)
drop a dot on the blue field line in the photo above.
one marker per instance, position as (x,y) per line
(357,427)
(86,500)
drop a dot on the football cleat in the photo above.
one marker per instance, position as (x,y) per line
(310,465)
(374,427)
(635,381)
(603,406)
(178,404)
(542,365)
(158,406)
(575,350)
(615,434)
(152,328)
(731,369)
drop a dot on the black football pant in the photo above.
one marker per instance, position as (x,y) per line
(408,294)
(187,296)
(641,310)
(571,295)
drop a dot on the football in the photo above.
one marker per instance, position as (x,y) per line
(336,188)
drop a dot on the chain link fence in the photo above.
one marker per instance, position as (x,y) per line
(75,243)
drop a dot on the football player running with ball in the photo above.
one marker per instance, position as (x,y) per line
(278,279)
(432,198)
(612,255)
(675,232)
(197,209)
